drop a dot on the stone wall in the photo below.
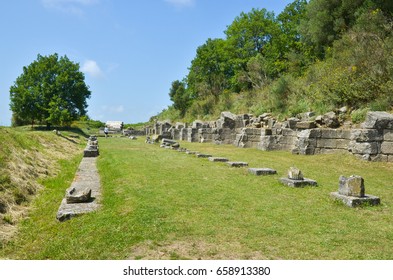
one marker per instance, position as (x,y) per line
(372,141)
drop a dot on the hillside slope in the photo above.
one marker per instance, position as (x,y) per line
(25,158)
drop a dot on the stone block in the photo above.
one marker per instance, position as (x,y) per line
(262,171)
(298,183)
(295,173)
(327,143)
(78,196)
(218,159)
(342,144)
(378,120)
(200,155)
(266,131)
(191,152)
(388,135)
(387,148)
(237,164)
(353,201)
(288,132)
(366,135)
(351,186)
(90,153)
(306,125)
(363,148)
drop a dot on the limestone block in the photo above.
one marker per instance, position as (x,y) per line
(237,164)
(342,144)
(218,159)
(330,120)
(388,135)
(363,148)
(200,155)
(352,201)
(366,135)
(327,143)
(306,125)
(288,132)
(261,171)
(298,183)
(292,122)
(378,120)
(295,173)
(78,196)
(387,148)
(352,186)
(266,131)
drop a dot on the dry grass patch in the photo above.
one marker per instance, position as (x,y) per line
(25,159)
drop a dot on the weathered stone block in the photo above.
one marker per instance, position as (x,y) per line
(387,148)
(298,183)
(218,159)
(366,135)
(237,164)
(295,173)
(352,186)
(266,131)
(262,171)
(306,125)
(199,155)
(388,135)
(363,148)
(327,143)
(90,153)
(352,201)
(78,196)
(378,120)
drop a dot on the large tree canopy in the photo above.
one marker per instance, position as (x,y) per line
(51,90)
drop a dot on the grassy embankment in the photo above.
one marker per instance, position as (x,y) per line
(162,204)
(26,158)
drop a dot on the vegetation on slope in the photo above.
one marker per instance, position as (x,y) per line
(316,55)
(26,157)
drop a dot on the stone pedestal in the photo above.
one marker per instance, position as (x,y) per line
(237,164)
(218,159)
(262,171)
(351,192)
(295,179)
(199,155)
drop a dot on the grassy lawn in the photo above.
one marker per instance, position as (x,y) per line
(163,204)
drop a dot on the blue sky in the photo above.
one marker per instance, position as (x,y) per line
(129,50)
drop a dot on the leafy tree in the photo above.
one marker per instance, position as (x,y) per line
(51,90)
(211,69)
(180,97)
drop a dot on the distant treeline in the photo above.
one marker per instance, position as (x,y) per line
(316,55)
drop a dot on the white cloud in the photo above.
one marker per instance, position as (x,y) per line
(91,67)
(181,3)
(74,7)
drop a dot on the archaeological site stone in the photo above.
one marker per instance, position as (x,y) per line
(262,171)
(78,196)
(218,159)
(200,155)
(237,164)
(351,192)
(296,179)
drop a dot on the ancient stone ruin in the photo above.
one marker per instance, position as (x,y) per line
(262,171)
(296,179)
(82,196)
(351,192)
(307,134)
(91,149)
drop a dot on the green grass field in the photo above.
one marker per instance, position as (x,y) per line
(163,204)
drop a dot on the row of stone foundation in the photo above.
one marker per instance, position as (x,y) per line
(351,190)
(372,140)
